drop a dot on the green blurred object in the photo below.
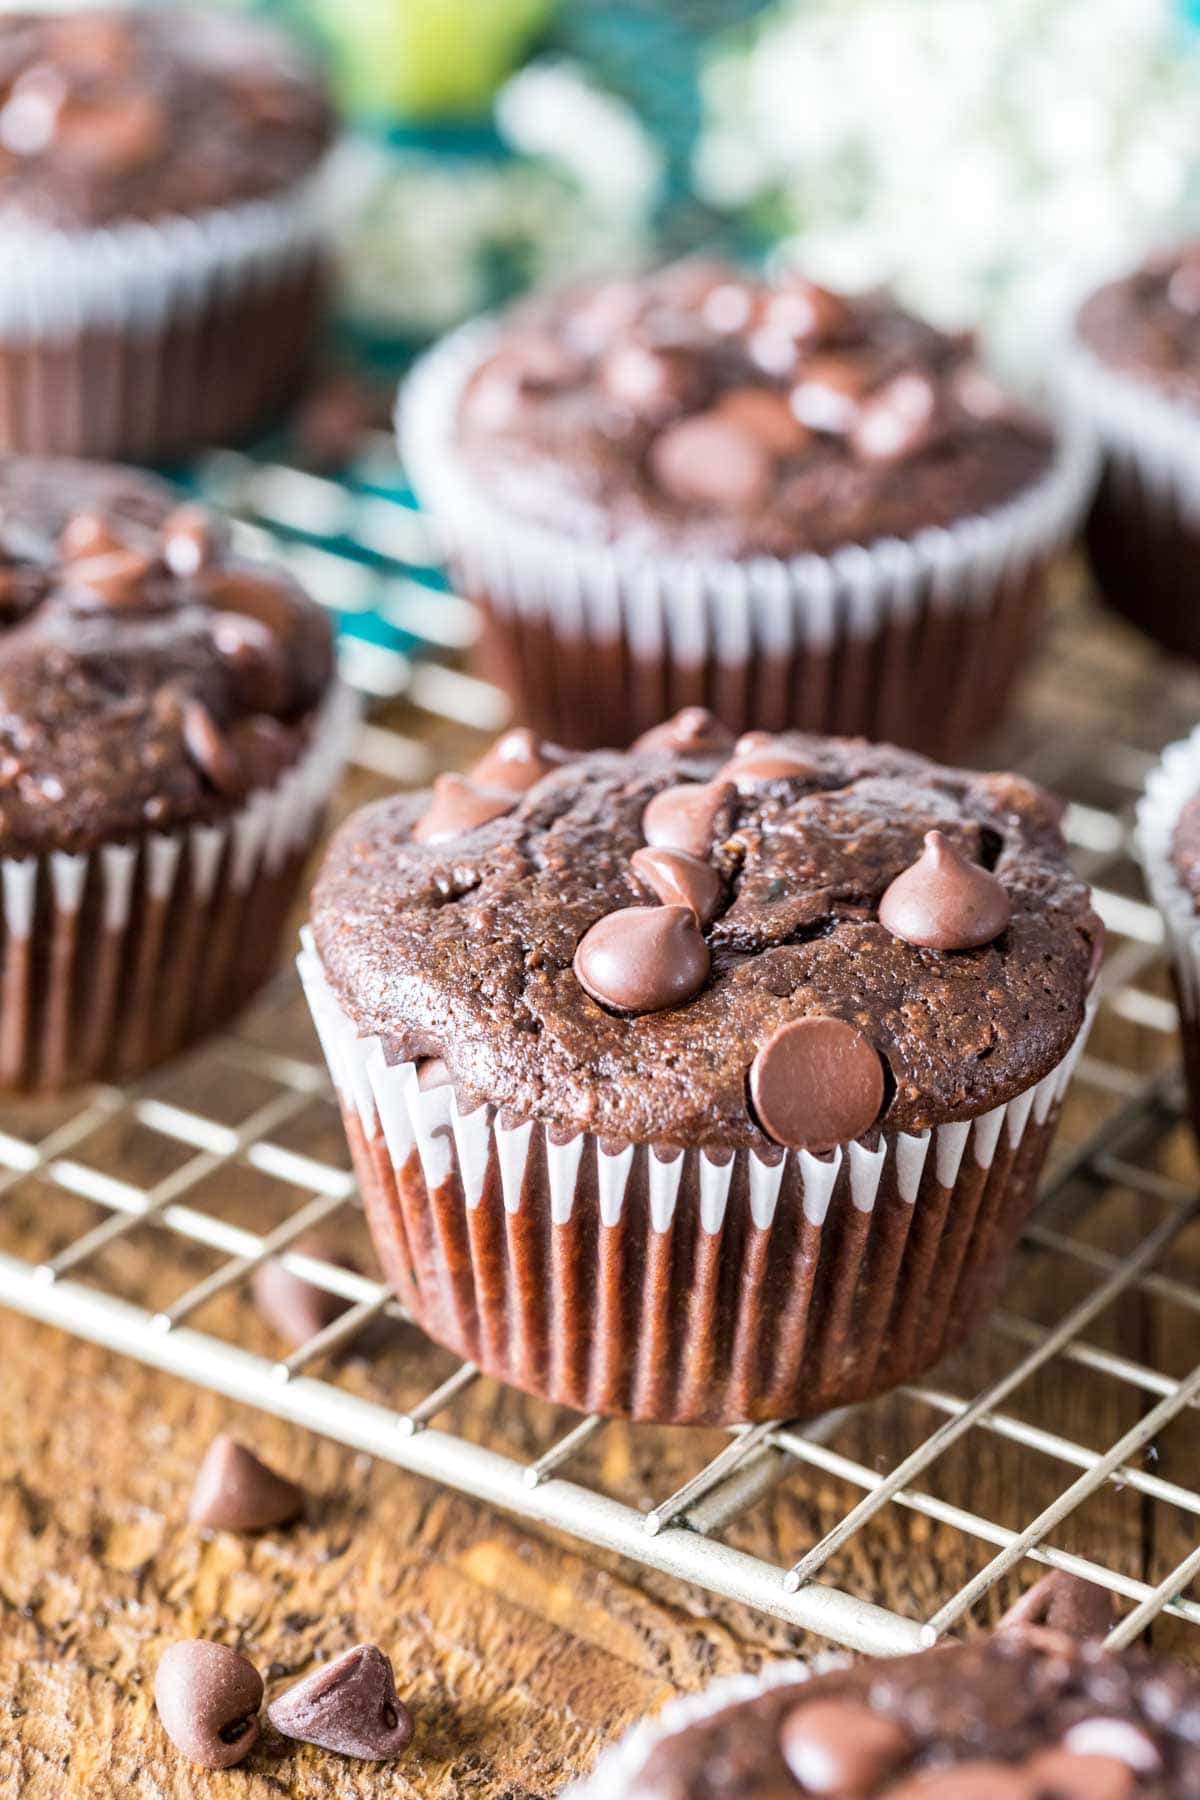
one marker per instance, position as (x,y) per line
(425,59)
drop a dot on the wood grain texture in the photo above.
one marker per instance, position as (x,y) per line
(520,1653)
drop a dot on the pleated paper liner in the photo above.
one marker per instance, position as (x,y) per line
(1169,786)
(1143,530)
(146,339)
(914,641)
(114,959)
(693,1287)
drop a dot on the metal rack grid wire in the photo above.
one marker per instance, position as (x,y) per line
(1134,1147)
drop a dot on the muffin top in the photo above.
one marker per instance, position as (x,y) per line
(794,940)
(108,113)
(1147,324)
(700,410)
(148,678)
(1026,1714)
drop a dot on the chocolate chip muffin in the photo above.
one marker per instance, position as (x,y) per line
(169,732)
(1168,846)
(1132,377)
(162,238)
(706,1082)
(699,487)
(1031,1712)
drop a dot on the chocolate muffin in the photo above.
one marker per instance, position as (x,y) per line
(162,229)
(1168,846)
(699,487)
(706,1082)
(1028,1713)
(169,732)
(1133,379)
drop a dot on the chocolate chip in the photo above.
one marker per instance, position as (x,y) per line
(112,136)
(89,534)
(517,761)
(113,578)
(505,385)
(235,1491)
(808,313)
(206,746)
(944,901)
(643,958)
(677,879)
(710,460)
(840,1747)
(686,817)
(816,1083)
(1064,1776)
(188,540)
(208,1699)
(765,413)
(967,1781)
(829,391)
(458,806)
(759,762)
(694,730)
(349,1705)
(730,307)
(1063,1603)
(255,656)
(898,420)
(1116,1738)
(297,1309)
(652,382)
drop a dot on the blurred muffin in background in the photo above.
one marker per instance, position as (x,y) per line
(1133,377)
(163,271)
(697,487)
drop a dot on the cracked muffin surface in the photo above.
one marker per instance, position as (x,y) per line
(461,943)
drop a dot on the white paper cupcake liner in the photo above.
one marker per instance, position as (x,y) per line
(685,1287)
(1169,787)
(613,1775)
(144,338)
(913,640)
(112,959)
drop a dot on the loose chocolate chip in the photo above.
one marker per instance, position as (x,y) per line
(967,1781)
(458,806)
(515,762)
(685,817)
(208,1699)
(89,534)
(1116,1738)
(188,540)
(765,413)
(653,382)
(694,730)
(944,901)
(113,578)
(830,389)
(206,745)
(840,1747)
(1063,1776)
(349,1705)
(235,1491)
(1063,1603)
(816,1083)
(677,879)
(711,460)
(897,421)
(643,958)
(297,1309)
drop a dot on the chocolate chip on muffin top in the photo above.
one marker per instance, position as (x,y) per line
(692,943)
(704,410)
(110,113)
(1026,1714)
(148,678)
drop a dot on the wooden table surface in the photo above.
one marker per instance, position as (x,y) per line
(521,1654)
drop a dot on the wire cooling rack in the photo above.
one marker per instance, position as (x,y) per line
(137,1217)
